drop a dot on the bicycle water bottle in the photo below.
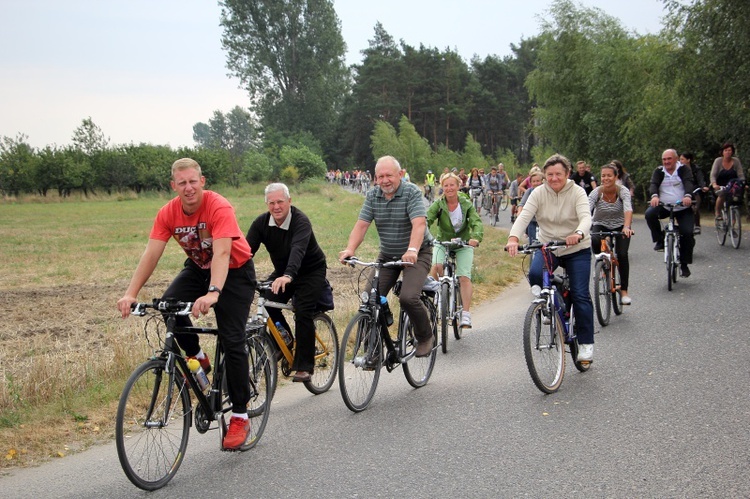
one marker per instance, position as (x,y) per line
(385,309)
(285,335)
(198,373)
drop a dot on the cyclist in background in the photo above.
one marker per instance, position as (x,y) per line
(688,159)
(429,184)
(562,211)
(503,176)
(613,212)
(514,197)
(456,218)
(536,180)
(475,183)
(724,169)
(672,183)
(494,184)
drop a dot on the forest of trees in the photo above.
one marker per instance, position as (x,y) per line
(584,86)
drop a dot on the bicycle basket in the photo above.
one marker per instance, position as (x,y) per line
(734,190)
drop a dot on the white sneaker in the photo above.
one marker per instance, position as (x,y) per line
(585,352)
(466,320)
(626,300)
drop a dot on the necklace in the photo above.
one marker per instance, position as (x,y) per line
(609,197)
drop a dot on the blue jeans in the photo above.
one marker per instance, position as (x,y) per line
(578,265)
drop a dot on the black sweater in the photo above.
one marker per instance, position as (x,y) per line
(293,252)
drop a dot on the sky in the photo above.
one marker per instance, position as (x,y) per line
(148,70)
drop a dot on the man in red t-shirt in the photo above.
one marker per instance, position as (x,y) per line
(218,273)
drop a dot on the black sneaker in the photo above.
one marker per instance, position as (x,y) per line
(684,270)
(659,246)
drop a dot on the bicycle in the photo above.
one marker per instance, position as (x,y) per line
(326,343)
(362,354)
(487,201)
(451,303)
(429,193)
(476,198)
(607,278)
(731,221)
(494,203)
(155,411)
(671,244)
(549,324)
(504,200)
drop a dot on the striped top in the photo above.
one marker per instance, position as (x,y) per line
(610,215)
(393,217)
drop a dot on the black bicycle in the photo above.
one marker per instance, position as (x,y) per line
(155,411)
(367,346)
(451,304)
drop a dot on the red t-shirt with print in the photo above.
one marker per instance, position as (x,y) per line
(215,219)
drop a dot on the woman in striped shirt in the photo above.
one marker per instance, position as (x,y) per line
(612,211)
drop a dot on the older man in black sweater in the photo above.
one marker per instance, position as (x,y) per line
(299,269)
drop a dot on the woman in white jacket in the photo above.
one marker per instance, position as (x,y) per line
(562,211)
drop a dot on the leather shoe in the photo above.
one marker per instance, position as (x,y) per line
(301,377)
(424,348)
(684,271)
(659,246)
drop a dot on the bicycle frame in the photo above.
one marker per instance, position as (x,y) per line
(553,287)
(608,254)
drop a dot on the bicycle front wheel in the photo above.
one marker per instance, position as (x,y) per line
(262,368)
(721,230)
(152,425)
(360,360)
(544,347)
(735,226)
(445,296)
(417,370)
(326,355)
(669,258)
(458,307)
(503,203)
(602,284)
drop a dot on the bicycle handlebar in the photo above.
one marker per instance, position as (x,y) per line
(613,233)
(168,306)
(353,260)
(455,242)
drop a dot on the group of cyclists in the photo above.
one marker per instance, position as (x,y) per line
(558,204)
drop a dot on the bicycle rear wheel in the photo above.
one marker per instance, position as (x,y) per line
(669,258)
(544,347)
(417,370)
(152,425)
(735,226)
(617,295)
(360,360)
(326,355)
(602,301)
(721,230)
(262,366)
(504,202)
(445,291)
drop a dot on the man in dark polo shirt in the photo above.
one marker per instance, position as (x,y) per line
(299,269)
(400,217)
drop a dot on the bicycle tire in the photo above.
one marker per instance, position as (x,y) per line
(358,381)
(493,215)
(417,370)
(261,364)
(504,202)
(458,306)
(735,226)
(581,366)
(617,295)
(669,258)
(151,454)
(543,348)
(721,230)
(445,296)
(271,350)
(602,300)
(326,355)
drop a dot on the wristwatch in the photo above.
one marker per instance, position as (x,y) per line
(580,233)
(413,250)
(212,288)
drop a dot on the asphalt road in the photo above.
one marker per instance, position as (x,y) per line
(663,412)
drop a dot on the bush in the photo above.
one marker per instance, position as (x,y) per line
(307,164)
(290,175)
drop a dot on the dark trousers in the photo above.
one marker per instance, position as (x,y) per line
(578,266)
(622,244)
(411,290)
(306,290)
(231,310)
(686,221)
